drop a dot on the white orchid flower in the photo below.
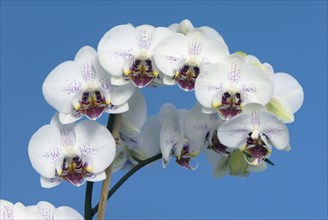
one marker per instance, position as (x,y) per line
(82,87)
(229,85)
(234,164)
(253,132)
(182,57)
(185,26)
(71,152)
(287,97)
(175,135)
(126,52)
(43,210)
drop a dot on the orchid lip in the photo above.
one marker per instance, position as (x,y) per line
(141,73)
(217,146)
(186,77)
(74,170)
(184,158)
(93,104)
(230,105)
(256,150)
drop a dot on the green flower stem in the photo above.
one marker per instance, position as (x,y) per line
(140,165)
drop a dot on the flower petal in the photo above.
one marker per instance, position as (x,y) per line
(71,117)
(213,51)
(287,88)
(169,53)
(67,136)
(218,162)
(274,129)
(45,150)
(233,133)
(212,34)
(169,136)
(66,213)
(150,136)
(117,109)
(96,177)
(49,182)
(184,27)
(6,210)
(62,84)
(143,35)
(281,109)
(157,36)
(46,209)
(117,45)
(96,143)
(133,120)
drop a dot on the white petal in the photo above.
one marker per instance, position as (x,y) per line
(62,84)
(66,213)
(158,35)
(6,210)
(45,150)
(251,107)
(213,51)
(185,26)
(258,168)
(195,42)
(117,45)
(119,81)
(46,209)
(233,133)
(85,54)
(212,34)
(150,136)
(168,80)
(169,136)
(281,109)
(167,111)
(121,94)
(96,143)
(173,27)
(274,129)
(134,119)
(120,160)
(210,83)
(197,126)
(49,182)
(169,53)
(219,163)
(28,212)
(117,109)
(143,35)
(67,136)
(287,88)
(256,85)
(71,117)
(96,177)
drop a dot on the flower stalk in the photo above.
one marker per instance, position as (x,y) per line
(113,125)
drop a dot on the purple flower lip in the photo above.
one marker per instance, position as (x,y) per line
(217,146)
(186,77)
(256,150)
(93,104)
(230,105)
(74,171)
(141,73)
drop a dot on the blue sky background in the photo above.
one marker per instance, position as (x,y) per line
(291,35)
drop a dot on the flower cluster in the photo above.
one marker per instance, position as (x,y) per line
(241,110)
(42,210)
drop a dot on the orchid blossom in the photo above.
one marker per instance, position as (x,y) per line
(126,52)
(182,57)
(42,210)
(227,86)
(71,152)
(254,132)
(82,87)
